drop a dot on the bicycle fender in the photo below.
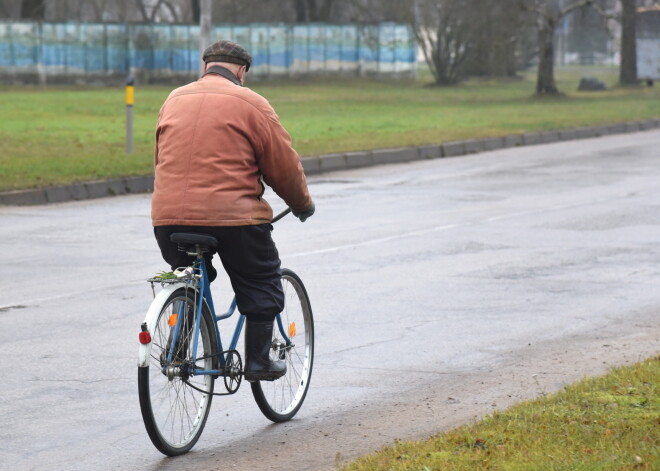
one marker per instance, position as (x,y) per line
(152,317)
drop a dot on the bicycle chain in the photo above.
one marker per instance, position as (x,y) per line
(229,364)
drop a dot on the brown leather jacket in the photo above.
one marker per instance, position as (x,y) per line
(215,140)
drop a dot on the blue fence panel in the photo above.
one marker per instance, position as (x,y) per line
(143,47)
(369,43)
(260,52)
(350,44)
(279,59)
(21,44)
(117,57)
(333,44)
(223,32)
(316,46)
(169,50)
(300,49)
(96,45)
(6,46)
(406,46)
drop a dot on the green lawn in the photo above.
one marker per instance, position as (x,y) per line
(607,423)
(58,135)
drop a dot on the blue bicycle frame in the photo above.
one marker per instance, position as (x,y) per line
(205,290)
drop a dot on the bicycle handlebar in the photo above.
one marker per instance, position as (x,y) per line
(281,215)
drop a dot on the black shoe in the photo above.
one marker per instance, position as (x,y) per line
(258,344)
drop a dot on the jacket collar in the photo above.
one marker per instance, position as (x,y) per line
(226,73)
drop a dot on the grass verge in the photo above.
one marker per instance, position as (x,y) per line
(68,134)
(605,423)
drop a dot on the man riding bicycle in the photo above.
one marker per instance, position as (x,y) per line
(216,143)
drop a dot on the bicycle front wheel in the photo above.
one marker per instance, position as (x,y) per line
(280,400)
(174,403)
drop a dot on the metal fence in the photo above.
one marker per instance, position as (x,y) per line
(74,52)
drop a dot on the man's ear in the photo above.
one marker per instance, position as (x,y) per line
(241,74)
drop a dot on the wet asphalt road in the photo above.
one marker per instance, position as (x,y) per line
(416,272)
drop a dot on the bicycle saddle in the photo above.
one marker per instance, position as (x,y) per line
(192,238)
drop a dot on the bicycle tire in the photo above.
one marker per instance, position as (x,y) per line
(174,413)
(280,400)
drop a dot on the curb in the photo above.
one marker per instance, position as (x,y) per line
(79,191)
(351,160)
(330,162)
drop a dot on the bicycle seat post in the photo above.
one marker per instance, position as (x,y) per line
(199,251)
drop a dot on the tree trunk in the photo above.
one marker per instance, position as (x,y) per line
(195,11)
(628,70)
(99,9)
(302,13)
(312,10)
(172,10)
(143,11)
(545,83)
(323,12)
(33,10)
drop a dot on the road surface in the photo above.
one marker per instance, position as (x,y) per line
(442,290)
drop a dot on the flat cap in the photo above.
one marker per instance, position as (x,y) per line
(227,51)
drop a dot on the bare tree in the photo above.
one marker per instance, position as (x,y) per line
(313,10)
(588,32)
(153,12)
(371,11)
(502,31)
(33,9)
(195,10)
(443,32)
(102,11)
(6,9)
(226,11)
(549,15)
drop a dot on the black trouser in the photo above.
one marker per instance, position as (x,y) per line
(250,258)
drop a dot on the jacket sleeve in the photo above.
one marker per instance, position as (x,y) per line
(280,164)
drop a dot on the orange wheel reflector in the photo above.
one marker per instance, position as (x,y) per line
(172,320)
(292,330)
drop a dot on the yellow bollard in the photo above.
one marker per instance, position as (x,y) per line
(130,97)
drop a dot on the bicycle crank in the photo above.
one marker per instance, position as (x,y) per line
(233,371)
(280,349)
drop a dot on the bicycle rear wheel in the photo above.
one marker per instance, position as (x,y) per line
(280,400)
(173,411)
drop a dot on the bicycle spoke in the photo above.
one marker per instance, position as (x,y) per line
(178,411)
(280,400)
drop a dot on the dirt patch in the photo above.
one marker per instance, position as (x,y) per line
(431,407)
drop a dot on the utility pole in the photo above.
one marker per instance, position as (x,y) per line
(628,69)
(204,30)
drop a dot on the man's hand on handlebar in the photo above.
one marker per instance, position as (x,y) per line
(303,215)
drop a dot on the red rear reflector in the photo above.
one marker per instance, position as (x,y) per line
(145,338)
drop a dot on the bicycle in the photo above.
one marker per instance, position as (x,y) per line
(181,353)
